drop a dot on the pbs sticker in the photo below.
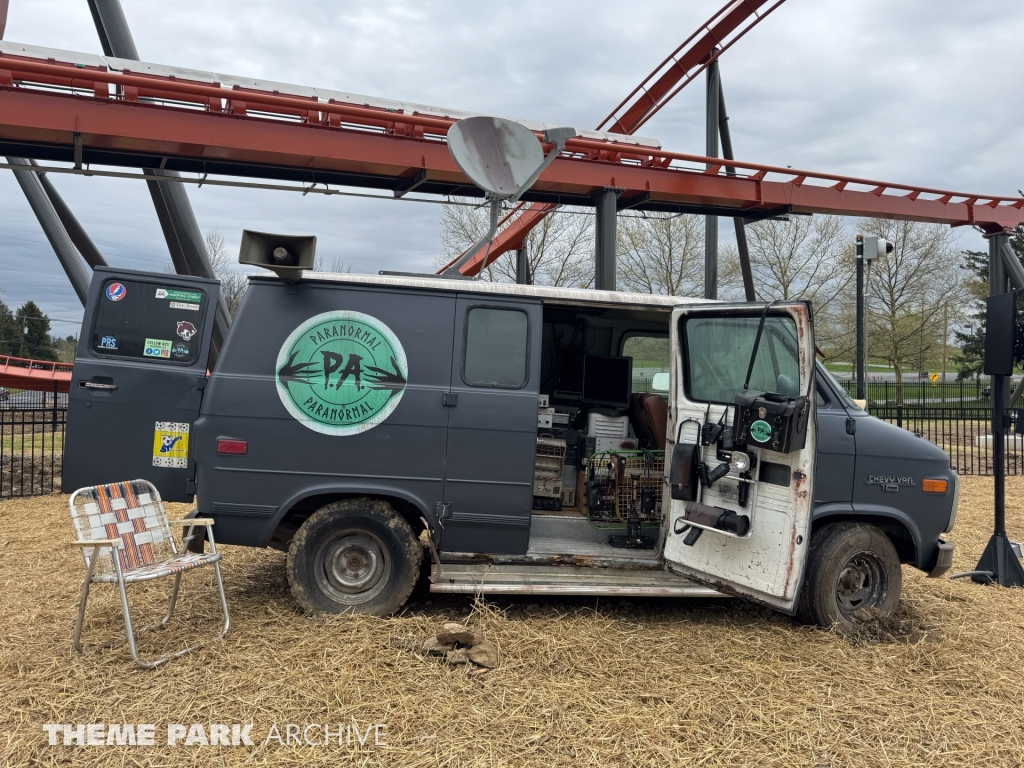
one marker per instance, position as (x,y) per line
(115,291)
(341,373)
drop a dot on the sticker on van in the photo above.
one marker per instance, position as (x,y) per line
(170,444)
(157,348)
(341,373)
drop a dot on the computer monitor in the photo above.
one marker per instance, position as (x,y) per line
(607,381)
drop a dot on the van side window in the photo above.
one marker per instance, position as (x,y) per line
(821,398)
(650,356)
(148,321)
(496,347)
(718,353)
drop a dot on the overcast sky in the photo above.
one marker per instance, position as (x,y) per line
(916,91)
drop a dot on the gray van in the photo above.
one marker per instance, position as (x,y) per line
(510,439)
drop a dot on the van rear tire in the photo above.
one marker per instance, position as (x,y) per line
(853,574)
(354,556)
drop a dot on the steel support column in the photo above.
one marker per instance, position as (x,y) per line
(606,209)
(859,363)
(741,232)
(58,223)
(75,230)
(177,220)
(999,558)
(711,222)
(77,272)
(523,276)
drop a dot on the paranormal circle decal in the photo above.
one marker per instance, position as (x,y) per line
(341,373)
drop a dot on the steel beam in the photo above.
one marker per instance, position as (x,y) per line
(77,272)
(738,221)
(75,230)
(712,115)
(39,124)
(173,210)
(998,559)
(523,276)
(714,90)
(606,208)
(51,207)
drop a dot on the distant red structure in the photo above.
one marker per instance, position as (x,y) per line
(38,375)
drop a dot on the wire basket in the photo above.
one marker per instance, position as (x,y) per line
(618,488)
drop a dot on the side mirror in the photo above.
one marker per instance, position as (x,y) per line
(660,382)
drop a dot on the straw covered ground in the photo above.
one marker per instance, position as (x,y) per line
(582,681)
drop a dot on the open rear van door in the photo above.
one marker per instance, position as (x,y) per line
(138,381)
(742,441)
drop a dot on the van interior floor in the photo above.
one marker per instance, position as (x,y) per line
(570,533)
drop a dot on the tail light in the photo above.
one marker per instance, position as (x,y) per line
(231,447)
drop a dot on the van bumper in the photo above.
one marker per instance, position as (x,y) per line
(944,561)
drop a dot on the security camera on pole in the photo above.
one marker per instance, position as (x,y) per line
(868,249)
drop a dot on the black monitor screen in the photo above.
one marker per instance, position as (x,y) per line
(607,380)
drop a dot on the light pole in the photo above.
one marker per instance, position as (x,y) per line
(24,333)
(868,249)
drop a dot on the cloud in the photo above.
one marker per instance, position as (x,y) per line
(921,91)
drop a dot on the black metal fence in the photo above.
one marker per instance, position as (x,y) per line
(31,442)
(955,415)
(957,394)
(964,433)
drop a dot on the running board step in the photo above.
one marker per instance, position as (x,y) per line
(563,580)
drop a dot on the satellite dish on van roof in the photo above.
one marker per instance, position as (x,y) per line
(504,159)
(497,155)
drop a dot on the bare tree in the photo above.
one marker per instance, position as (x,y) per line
(233,284)
(799,259)
(660,253)
(802,258)
(337,264)
(913,294)
(559,249)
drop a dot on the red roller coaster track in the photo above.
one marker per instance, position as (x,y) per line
(40,375)
(87,109)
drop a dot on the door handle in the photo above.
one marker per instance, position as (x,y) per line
(450,399)
(851,425)
(96,385)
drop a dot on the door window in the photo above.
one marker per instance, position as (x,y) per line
(148,321)
(650,357)
(496,347)
(718,354)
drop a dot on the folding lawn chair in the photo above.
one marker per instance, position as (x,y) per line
(129,518)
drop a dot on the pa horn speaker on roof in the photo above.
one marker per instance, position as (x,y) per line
(288,256)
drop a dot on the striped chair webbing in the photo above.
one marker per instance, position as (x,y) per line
(133,553)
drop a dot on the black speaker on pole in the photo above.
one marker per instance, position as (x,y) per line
(1000,327)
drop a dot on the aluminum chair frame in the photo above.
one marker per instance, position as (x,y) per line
(93,551)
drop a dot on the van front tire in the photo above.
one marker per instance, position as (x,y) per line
(354,555)
(853,574)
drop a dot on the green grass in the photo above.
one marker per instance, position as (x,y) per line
(38,443)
